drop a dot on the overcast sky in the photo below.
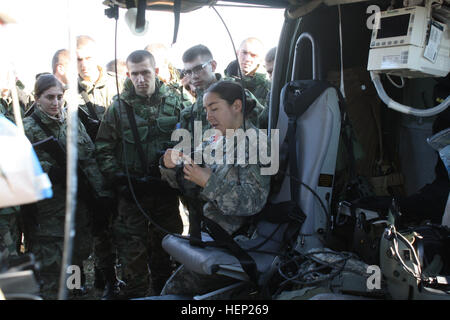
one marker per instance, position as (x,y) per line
(43,28)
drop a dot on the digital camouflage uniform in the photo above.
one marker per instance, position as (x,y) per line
(138,243)
(44,223)
(197,112)
(232,194)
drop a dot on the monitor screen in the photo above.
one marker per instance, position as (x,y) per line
(395,26)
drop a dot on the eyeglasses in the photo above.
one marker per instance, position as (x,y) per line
(197,69)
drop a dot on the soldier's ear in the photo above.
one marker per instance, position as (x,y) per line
(128,74)
(213,65)
(61,69)
(237,105)
(156,71)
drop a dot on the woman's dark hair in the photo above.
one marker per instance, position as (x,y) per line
(45,82)
(230,91)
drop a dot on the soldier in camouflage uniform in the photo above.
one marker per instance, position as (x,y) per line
(156,109)
(250,63)
(44,221)
(6,106)
(232,192)
(96,87)
(199,66)
(10,233)
(8,224)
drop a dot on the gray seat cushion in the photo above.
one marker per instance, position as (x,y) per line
(210,260)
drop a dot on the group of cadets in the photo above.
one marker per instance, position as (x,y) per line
(121,137)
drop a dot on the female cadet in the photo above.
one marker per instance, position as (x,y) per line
(233,189)
(44,221)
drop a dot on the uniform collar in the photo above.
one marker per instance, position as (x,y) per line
(200,92)
(129,93)
(89,85)
(46,118)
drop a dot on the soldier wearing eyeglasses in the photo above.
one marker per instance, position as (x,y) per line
(199,69)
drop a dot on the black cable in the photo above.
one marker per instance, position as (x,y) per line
(339,265)
(316,196)
(244,98)
(266,239)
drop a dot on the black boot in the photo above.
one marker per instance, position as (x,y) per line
(113,285)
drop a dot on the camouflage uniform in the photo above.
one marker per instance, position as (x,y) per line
(198,113)
(100,94)
(44,222)
(6,106)
(138,243)
(175,83)
(259,85)
(232,194)
(9,232)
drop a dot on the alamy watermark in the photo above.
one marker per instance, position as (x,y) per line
(235,143)
(373,282)
(373,21)
(74,280)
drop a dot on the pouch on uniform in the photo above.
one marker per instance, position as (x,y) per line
(21,177)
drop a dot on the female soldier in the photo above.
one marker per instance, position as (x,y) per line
(44,221)
(232,191)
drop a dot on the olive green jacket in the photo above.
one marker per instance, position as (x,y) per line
(100,93)
(156,118)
